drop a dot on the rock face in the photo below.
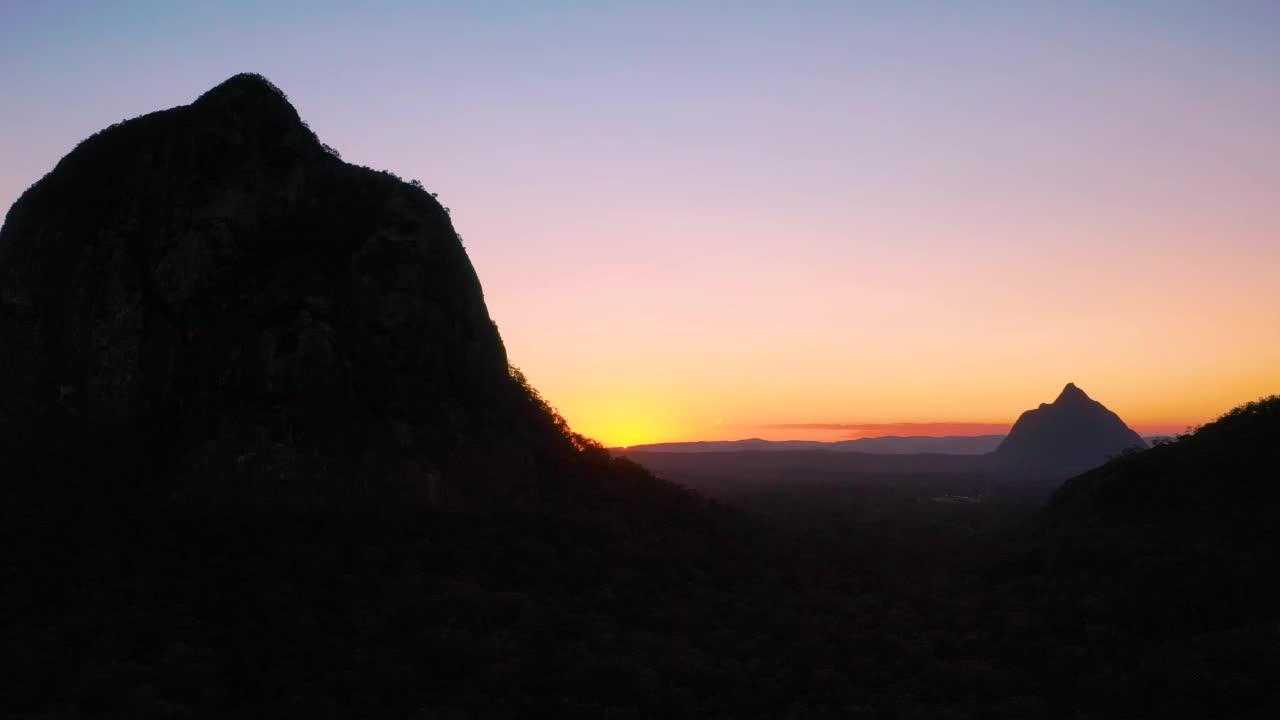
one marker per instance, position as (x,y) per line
(1070,435)
(214,276)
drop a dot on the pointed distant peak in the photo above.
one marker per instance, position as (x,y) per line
(1071,393)
(1072,434)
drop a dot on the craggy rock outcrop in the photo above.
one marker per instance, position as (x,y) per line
(212,285)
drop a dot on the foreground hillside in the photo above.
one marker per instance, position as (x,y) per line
(1166,560)
(1184,531)
(630,608)
(1206,481)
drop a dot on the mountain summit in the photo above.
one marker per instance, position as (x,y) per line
(1072,394)
(1070,435)
(212,288)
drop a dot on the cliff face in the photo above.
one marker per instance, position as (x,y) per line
(214,276)
(1070,435)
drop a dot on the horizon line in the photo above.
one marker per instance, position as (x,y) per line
(1146,430)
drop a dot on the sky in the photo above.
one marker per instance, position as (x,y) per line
(780,220)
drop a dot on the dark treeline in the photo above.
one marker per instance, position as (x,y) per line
(640,610)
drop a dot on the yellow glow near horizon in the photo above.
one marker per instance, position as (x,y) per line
(845,408)
(620,422)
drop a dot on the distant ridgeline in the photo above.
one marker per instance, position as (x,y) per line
(888,445)
(210,291)
(1050,443)
(1045,447)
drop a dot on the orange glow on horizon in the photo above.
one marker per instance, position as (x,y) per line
(751,343)
(628,418)
(624,436)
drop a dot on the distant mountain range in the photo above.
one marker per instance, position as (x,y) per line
(1069,435)
(888,445)
(1050,443)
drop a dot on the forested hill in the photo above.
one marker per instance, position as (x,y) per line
(1223,476)
(1168,558)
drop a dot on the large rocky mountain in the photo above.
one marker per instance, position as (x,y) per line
(212,287)
(1070,435)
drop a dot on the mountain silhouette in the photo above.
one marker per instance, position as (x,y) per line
(1065,437)
(212,289)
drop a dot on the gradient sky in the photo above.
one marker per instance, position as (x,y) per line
(779,220)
